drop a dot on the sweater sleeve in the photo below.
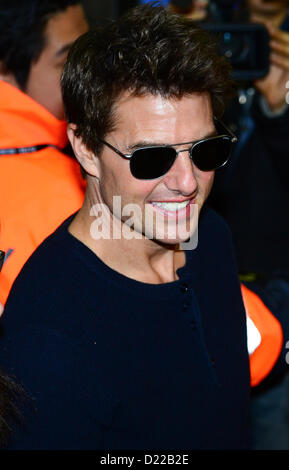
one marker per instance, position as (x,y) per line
(44,362)
(65,408)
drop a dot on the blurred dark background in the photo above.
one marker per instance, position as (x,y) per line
(99,12)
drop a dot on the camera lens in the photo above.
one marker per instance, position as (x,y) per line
(235,47)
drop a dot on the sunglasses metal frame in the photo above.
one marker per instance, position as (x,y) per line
(219,123)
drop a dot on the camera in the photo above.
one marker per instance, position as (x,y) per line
(244,44)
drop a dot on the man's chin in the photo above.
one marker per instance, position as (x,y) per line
(170,238)
(176,229)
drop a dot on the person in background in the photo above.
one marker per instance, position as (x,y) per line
(39,184)
(193,9)
(252,195)
(252,191)
(35,37)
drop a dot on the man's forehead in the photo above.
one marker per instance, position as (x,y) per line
(157,117)
(148,105)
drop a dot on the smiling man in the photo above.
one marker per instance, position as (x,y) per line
(130,341)
(146,127)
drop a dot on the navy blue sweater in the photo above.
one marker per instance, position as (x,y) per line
(113,363)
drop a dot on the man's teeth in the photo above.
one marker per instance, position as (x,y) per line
(171,206)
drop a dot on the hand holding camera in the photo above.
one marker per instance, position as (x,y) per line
(273,86)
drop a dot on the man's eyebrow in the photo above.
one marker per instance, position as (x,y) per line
(147,143)
(63,49)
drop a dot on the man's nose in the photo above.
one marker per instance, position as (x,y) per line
(181,177)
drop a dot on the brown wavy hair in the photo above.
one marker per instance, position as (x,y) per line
(147,51)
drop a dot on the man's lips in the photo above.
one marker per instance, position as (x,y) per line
(173,208)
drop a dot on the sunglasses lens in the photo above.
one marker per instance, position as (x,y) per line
(212,154)
(153,162)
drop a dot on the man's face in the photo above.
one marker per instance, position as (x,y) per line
(43,83)
(153,120)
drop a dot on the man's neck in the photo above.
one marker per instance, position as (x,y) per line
(141,259)
(8,78)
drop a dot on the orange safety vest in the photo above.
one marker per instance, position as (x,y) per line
(264,357)
(38,190)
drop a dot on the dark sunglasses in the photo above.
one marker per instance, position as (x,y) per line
(207,154)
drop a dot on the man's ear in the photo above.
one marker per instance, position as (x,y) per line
(87,159)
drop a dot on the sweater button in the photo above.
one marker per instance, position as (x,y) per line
(186,306)
(184,288)
(193,324)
